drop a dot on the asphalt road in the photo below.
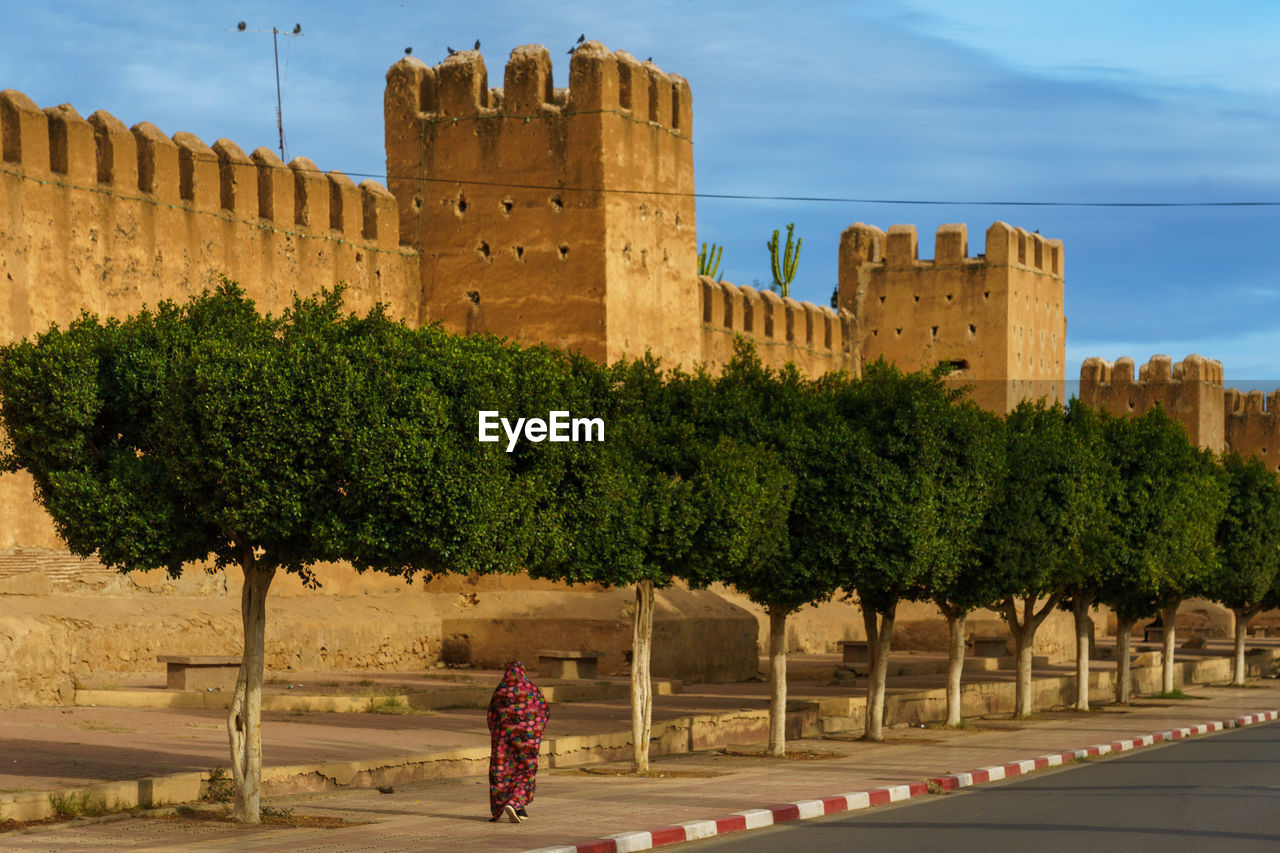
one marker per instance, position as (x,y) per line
(1213,793)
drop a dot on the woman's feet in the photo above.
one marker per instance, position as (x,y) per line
(511,814)
(522,813)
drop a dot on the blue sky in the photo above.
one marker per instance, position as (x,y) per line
(929,100)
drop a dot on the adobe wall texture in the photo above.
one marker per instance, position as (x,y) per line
(120,624)
(996,318)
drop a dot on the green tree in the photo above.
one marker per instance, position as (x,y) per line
(1248,539)
(912,493)
(631,508)
(1084,575)
(746,496)
(768,519)
(210,432)
(975,467)
(1033,532)
(1167,509)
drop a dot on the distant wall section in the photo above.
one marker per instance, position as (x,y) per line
(1190,391)
(1252,425)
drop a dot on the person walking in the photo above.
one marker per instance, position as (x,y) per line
(517,718)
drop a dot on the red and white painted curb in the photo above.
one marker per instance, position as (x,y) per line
(1055,759)
(628,842)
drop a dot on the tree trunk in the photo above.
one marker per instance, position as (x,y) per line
(1124,680)
(1168,614)
(869,623)
(641,685)
(879,674)
(777,683)
(1080,610)
(244,721)
(1243,615)
(1024,638)
(955,662)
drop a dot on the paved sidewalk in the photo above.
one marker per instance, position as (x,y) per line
(54,748)
(575,806)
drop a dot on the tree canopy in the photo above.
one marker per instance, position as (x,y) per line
(208,431)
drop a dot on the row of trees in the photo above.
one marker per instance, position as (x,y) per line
(210,432)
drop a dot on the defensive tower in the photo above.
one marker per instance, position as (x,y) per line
(545,214)
(997,319)
(1190,391)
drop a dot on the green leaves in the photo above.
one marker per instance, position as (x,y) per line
(1248,536)
(1032,535)
(198,431)
(920,462)
(627,506)
(1165,514)
(754,481)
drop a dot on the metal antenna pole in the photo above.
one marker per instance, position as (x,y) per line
(275,47)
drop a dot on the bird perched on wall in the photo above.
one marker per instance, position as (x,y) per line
(581,38)
(451,50)
(477,47)
(408,50)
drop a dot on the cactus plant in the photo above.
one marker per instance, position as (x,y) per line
(709,261)
(784,269)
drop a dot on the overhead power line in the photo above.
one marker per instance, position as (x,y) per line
(814,199)
(386,179)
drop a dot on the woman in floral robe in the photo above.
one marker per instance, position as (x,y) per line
(517,717)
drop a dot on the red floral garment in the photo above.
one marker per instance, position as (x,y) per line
(517,717)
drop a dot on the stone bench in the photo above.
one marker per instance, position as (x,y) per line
(201,672)
(990,647)
(561,664)
(853,652)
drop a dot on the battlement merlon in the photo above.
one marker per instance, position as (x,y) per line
(1254,402)
(763,315)
(1158,370)
(599,81)
(57,144)
(1005,246)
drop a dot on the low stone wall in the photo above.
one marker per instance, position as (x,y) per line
(50,641)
